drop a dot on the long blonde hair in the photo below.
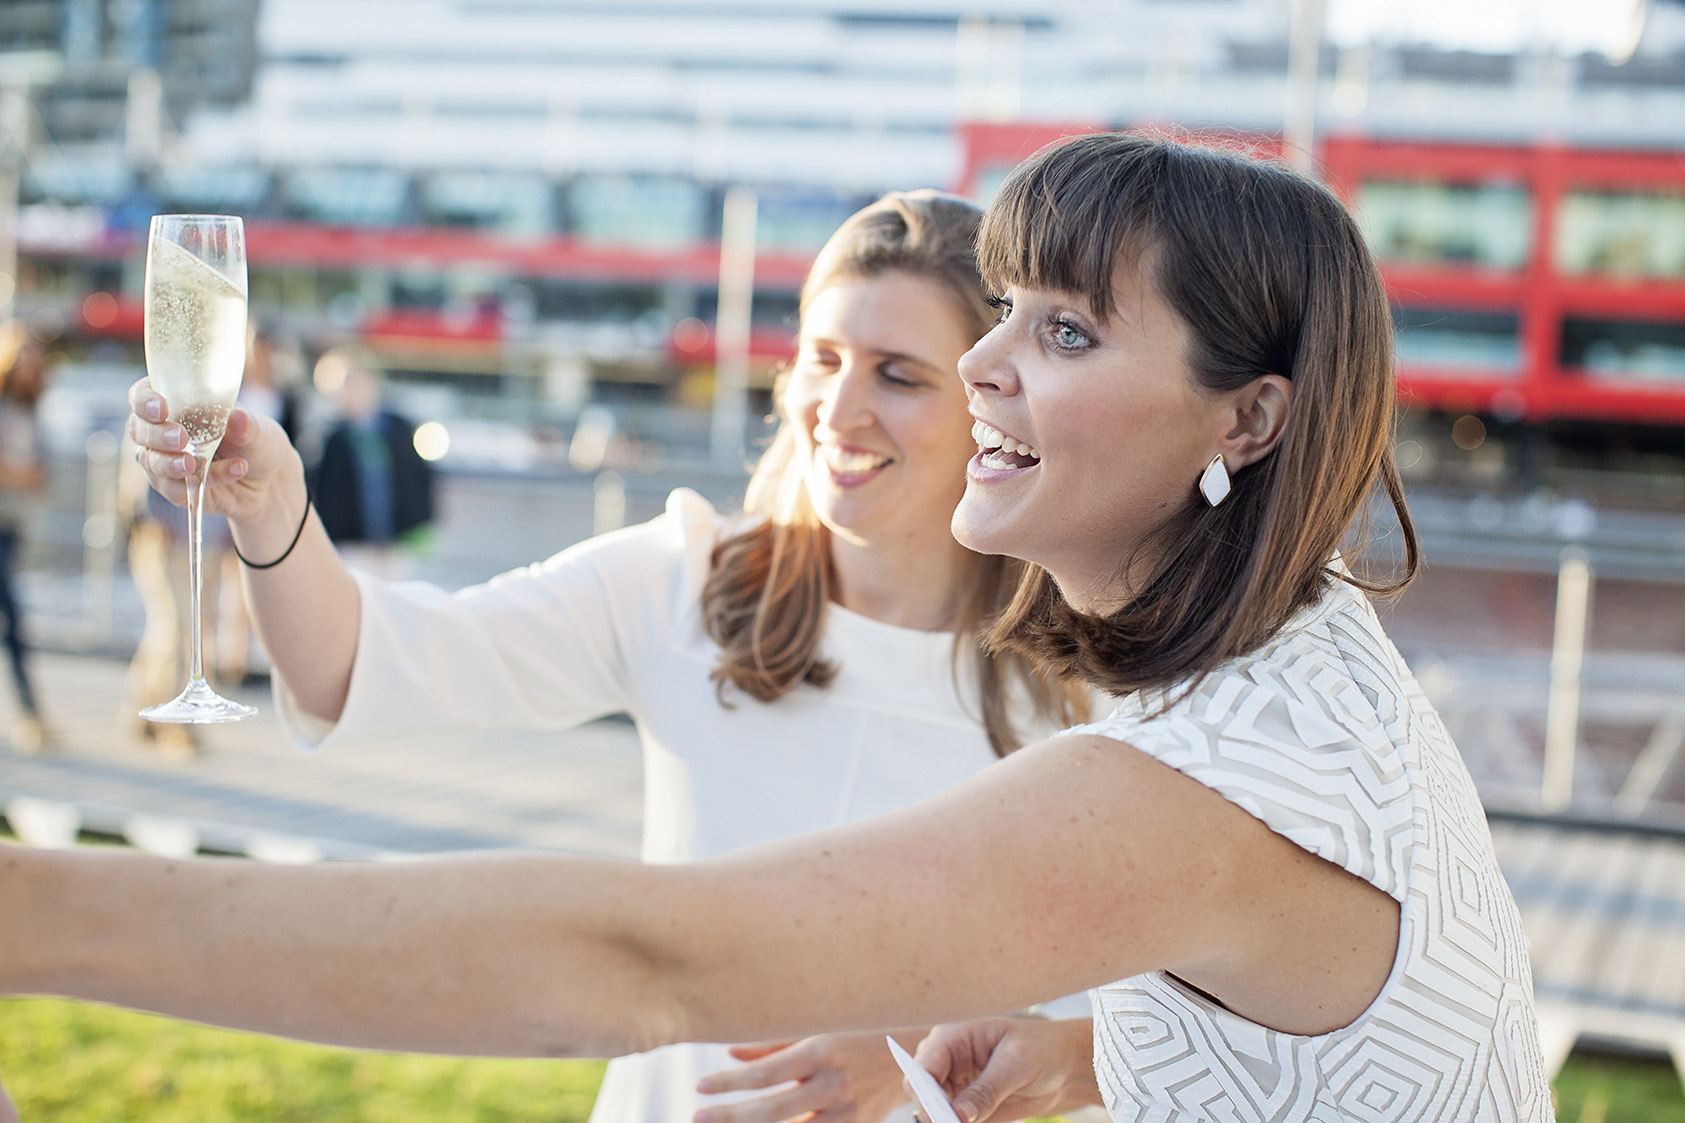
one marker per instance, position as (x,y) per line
(765,598)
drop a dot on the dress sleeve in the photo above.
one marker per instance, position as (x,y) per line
(1291,741)
(548,646)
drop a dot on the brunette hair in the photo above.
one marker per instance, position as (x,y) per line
(765,597)
(1269,274)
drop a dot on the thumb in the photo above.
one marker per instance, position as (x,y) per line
(979,1099)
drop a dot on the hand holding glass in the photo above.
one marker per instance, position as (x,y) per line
(195,355)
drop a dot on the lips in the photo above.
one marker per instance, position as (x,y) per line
(999,452)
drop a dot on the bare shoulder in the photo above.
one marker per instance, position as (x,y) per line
(1274,932)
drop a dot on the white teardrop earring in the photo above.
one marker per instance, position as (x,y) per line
(1214,483)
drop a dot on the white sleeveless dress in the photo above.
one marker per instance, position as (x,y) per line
(1324,735)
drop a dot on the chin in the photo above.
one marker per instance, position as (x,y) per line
(975,535)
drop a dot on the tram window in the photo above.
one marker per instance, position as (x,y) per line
(1621,233)
(577,302)
(517,205)
(1450,338)
(348,196)
(1474,224)
(1646,350)
(653,213)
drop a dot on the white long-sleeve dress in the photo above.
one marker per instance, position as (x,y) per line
(614,624)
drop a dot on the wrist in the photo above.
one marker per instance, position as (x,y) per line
(276,522)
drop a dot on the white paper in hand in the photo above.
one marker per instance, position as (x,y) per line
(937,1107)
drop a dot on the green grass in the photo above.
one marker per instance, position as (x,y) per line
(1611,1088)
(70,1062)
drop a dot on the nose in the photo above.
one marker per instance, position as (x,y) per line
(987,367)
(845,402)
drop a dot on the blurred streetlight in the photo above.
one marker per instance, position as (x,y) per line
(731,327)
(20,71)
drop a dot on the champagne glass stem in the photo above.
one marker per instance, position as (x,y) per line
(195,563)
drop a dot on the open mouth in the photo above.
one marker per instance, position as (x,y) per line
(851,462)
(1001,452)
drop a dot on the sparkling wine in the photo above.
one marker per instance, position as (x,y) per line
(195,340)
(195,355)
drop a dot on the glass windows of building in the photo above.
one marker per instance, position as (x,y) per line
(1649,351)
(226,190)
(520,206)
(799,219)
(627,211)
(348,196)
(1621,233)
(1485,224)
(301,293)
(76,179)
(1457,339)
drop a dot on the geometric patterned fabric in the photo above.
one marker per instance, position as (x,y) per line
(1324,735)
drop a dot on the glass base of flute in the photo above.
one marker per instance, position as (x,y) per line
(198,704)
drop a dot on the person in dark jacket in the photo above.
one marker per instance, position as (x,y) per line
(371,488)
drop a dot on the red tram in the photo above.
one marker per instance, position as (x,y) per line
(1531,284)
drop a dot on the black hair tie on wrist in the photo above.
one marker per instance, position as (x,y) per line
(299,533)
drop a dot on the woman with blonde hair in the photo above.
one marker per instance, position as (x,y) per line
(1269,861)
(814,661)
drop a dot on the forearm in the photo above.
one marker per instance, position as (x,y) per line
(481,955)
(306,609)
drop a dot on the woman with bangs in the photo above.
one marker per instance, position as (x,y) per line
(1269,862)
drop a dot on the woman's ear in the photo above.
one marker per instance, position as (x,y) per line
(1260,419)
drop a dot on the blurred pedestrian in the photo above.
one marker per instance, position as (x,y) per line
(371,488)
(23,476)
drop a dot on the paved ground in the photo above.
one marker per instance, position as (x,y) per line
(252,788)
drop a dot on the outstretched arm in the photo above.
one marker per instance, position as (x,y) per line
(1066,865)
(307,608)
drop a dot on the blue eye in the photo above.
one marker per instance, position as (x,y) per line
(1002,307)
(1068,337)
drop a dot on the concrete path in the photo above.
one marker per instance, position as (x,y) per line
(252,790)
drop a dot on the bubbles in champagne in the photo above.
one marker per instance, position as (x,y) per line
(195,336)
(205,424)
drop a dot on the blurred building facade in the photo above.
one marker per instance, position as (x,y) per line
(523,196)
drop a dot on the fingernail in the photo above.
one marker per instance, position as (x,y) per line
(184,465)
(153,409)
(237,469)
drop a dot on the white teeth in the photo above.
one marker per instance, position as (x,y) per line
(989,438)
(852,463)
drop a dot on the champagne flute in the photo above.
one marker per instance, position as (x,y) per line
(195,355)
